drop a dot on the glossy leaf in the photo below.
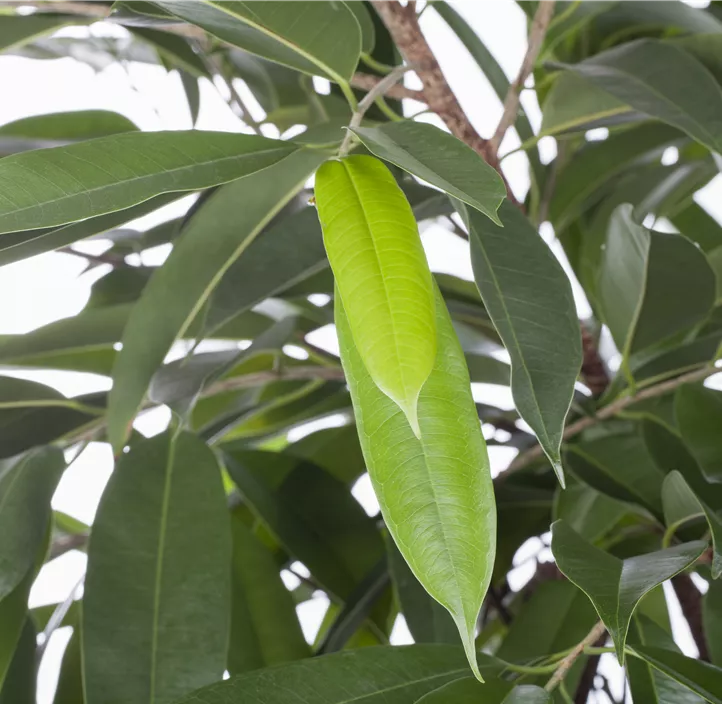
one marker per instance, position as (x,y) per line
(699,414)
(589,512)
(435,493)
(264,627)
(51,187)
(150,608)
(181,287)
(469,691)
(616,586)
(529,299)
(316,39)
(383,278)
(440,159)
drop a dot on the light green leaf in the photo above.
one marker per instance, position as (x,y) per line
(651,284)
(681,503)
(74,125)
(178,291)
(440,159)
(380,268)
(308,36)
(469,691)
(712,619)
(377,675)
(435,492)
(158,580)
(699,415)
(51,187)
(616,586)
(16,30)
(264,626)
(701,677)
(655,78)
(26,487)
(529,299)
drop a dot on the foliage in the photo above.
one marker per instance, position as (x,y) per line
(308,216)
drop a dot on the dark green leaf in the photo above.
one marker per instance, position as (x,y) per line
(16,30)
(158,581)
(13,616)
(699,414)
(712,618)
(19,686)
(368,31)
(193,94)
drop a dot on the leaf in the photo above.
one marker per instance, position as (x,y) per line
(174,50)
(616,586)
(699,413)
(651,284)
(712,619)
(70,679)
(380,675)
(180,288)
(193,94)
(13,615)
(19,686)
(316,39)
(264,627)
(529,299)
(368,31)
(469,691)
(440,159)
(435,493)
(654,78)
(73,125)
(158,580)
(383,278)
(681,503)
(26,487)
(51,187)
(701,677)
(17,30)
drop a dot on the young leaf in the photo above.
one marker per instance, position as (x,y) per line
(158,580)
(529,299)
(440,159)
(180,288)
(382,275)
(435,492)
(51,187)
(616,586)
(699,415)
(469,691)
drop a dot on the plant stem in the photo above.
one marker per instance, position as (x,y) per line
(566,663)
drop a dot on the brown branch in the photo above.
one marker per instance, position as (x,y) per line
(690,600)
(525,458)
(586,681)
(566,663)
(540,23)
(594,373)
(365,81)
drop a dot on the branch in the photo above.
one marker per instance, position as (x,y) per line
(586,681)
(611,410)
(542,18)
(365,81)
(289,374)
(566,663)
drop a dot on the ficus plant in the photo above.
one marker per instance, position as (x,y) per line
(211,534)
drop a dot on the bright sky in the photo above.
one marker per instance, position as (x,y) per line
(52,286)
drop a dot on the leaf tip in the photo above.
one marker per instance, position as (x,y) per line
(559,471)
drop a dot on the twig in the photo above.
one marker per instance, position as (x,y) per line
(377,91)
(540,23)
(586,681)
(102,258)
(611,410)
(365,81)
(566,663)
(65,543)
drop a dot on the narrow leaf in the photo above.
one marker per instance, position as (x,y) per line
(158,581)
(382,275)
(529,299)
(699,415)
(435,492)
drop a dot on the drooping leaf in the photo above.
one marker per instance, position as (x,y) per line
(654,78)
(264,626)
(681,503)
(17,30)
(435,492)
(616,586)
(440,159)
(316,39)
(712,619)
(699,414)
(469,691)
(158,581)
(529,299)
(20,679)
(51,187)
(181,287)
(382,275)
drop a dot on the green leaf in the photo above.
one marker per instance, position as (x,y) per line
(440,159)
(654,78)
(264,626)
(380,675)
(71,126)
(13,616)
(56,186)
(651,284)
(712,619)
(313,38)
(178,291)
(616,586)
(26,487)
(382,275)
(16,30)
(435,492)
(19,686)
(701,677)
(529,299)
(158,580)
(699,414)
(70,679)
(368,31)
(681,503)
(469,691)
(174,50)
